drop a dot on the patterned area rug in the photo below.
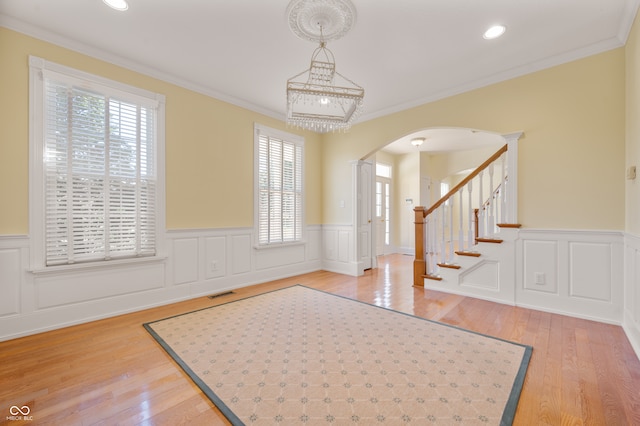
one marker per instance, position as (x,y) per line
(303,356)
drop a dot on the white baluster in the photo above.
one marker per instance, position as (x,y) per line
(452,199)
(429,249)
(443,247)
(435,235)
(470,223)
(504,190)
(505,194)
(461,226)
(497,204)
(491,218)
(436,242)
(434,249)
(480,204)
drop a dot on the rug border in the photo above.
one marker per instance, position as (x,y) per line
(220,405)
(508,414)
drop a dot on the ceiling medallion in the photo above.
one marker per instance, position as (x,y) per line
(321,20)
(320,98)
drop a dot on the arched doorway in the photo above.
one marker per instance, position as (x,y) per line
(419,175)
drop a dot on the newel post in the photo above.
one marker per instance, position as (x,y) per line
(419,264)
(512,170)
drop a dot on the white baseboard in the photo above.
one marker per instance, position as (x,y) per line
(632,330)
(346,268)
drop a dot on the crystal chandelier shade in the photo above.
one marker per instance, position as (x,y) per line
(319,98)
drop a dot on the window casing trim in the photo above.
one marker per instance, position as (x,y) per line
(292,139)
(38,68)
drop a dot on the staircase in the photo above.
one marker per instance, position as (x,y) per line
(465,242)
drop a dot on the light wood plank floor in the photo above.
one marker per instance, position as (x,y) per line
(113,372)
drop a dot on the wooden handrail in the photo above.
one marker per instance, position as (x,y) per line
(466,180)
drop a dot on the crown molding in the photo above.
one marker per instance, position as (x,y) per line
(549,62)
(79,47)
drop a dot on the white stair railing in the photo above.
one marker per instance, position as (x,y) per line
(453,224)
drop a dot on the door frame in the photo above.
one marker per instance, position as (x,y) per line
(363,256)
(385,182)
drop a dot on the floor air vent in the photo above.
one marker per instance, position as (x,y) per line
(214,296)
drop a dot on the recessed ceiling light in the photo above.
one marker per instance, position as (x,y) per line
(494,32)
(117,4)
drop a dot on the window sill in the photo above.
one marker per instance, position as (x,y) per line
(278,245)
(97,266)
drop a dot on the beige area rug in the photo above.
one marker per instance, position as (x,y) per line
(302,356)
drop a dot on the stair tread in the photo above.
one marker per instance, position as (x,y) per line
(489,240)
(508,225)
(468,253)
(449,265)
(432,277)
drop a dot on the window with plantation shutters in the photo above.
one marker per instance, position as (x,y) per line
(279,189)
(97,149)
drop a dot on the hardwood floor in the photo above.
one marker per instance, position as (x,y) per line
(113,372)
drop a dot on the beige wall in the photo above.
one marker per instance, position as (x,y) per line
(571,168)
(571,164)
(209,144)
(441,166)
(632,51)
(407,186)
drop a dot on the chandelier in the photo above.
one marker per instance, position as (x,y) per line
(320,98)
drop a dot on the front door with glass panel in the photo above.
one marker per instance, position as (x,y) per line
(383,215)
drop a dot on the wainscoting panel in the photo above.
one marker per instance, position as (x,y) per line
(590,271)
(330,244)
(485,275)
(540,266)
(185,264)
(197,263)
(588,274)
(240,253)
(344,246)
(215,258)
(314,249)
(576,273)
(634,292)
(10,280)
(279,256)
(82,286)
(631,322)
(338,250)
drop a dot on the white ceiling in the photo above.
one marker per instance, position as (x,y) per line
(403,52)
(439,140)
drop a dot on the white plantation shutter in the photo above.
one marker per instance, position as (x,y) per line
(280,187)
(99,172)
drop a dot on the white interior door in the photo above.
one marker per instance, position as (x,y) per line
(383,215)
(365,216)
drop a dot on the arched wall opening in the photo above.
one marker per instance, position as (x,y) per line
(421,174)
